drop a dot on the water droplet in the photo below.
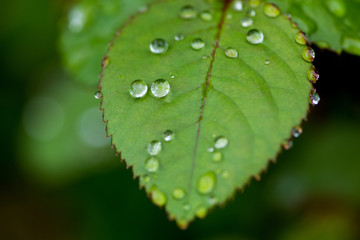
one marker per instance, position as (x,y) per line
(301,38)
(210,149)
(254,3)
(152,164)
(308,54)
(217,156)
(271,10)
(313,75)
(246,21)
(288,144)
(182,223)
(178,193)
(212,200)
(154,148)
(187,12)
(179,37)
(172,76)
(225,174)
(251,13)
(158,197)
(314,98)
(254,36)
(221,142)
(77,19)
(160,88)
(146,178)
(231,52)
(159,46)
(238,6)
(105,62)
(206,15)
(296,131)
(138,88)
(97,95)
(197,44)
(336,7)
(168,135)
(267,61)
(206,183)
(201,212)
(187,207)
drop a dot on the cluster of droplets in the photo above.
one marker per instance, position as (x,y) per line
(159,88)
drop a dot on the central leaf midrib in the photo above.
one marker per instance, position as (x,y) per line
(207,83)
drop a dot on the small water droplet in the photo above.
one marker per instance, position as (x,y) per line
(288,144)
(308,54)
(172,76)
(187,207)
(217,156)
(168,135)
(187,12)
(97,95)
(146,178)
(313,74)
(221,142)
(314,98)
(201,212)
(246,21)
(231,52)
(197,44)
(178,193)
(301,38)
(160,88)
(206,183)
(212,200)
(152,164)
(138,88)
(267,61)
(154,148)
(254,3)
(251,13)
(210,149)
(255,36)
(105,62)
(238,6)
(179,37)
(296,131)
(158,197)
(271,10)
(206,15)
(225,174)
(159,46)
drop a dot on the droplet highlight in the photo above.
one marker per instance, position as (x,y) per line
(138,88)
(221,142)
(314,98)
(197,44)
(255,36)
(251,13)
(296,131)
(160,88)
(238,6)
(179,37)
(271,10)
(168,135)
(154,148)
(206,183)
(159,46)
(246,21)
(152,164)
(308,54)
(97,95)
(231,52)
(187,12)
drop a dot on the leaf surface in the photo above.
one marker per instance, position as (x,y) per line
(250,102)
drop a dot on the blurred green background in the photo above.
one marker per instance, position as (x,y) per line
(59,178)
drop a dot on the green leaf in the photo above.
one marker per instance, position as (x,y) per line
(245,105)
(89,27)
(333,24)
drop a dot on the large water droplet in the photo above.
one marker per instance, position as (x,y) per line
(217,156)
(97,95)
(158,197)
(160,88)
(206,183)
(201,212)
(206,15)
(231,52)
(152,164)
(179,37)
(308,54)
(238,6)
(168,135)
(178,193)
(187,12)
(138,88)
(251,13)
(255,36)
(221,142)
(301,38)
(271,10)
(154,148)
(314,98)
(313,75)
(296,131)
(159,46)
(197,44)
(246,21)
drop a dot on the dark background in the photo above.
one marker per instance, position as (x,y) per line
(312,192)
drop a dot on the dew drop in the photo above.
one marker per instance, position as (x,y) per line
(296,131)
(221,142)
(152,164)
(154,148)
(254,3)
(201,212)
(178,193)
(138,88)
(210,149)
(217,156)
(231,52)
(238,6)
(187,12)
(97,95)
(246,21)
(168,135)
(251,13)
(186,207)
(179,37)
(206,15)
(212,200)
(301,38)
(314,98)
(267,61)
(255,36)
(158,197)
(160,88)
(206,183)
(271,10)
(197,44)
(77,19)
(313,75)
(146,178)
(105,62)
(308,54)
(159,46)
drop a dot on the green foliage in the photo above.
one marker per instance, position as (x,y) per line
(245,105)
